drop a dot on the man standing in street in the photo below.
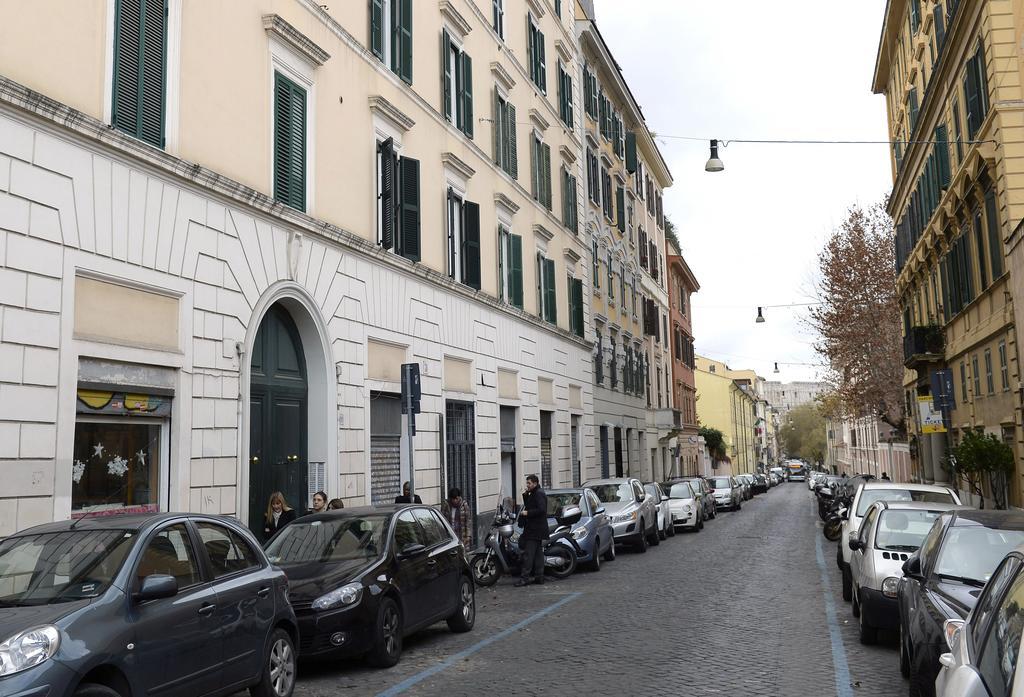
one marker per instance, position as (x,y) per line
(456,511)
(534,519)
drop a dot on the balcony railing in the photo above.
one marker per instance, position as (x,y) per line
(923,345)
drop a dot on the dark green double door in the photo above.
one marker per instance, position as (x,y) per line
(277,417)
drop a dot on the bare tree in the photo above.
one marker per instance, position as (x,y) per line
(858,320)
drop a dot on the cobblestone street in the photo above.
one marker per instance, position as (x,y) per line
(737,609)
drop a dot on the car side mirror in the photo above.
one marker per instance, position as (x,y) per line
(855,544)
(912,567)
(599,510)
(641,497)
(412,549)
(157,586)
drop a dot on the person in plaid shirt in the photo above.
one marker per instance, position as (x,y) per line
(456,512)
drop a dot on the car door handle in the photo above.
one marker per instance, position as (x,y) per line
(453,553)
(431,562)
(207,610)
(263,592)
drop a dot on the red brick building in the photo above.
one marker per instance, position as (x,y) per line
(682,284)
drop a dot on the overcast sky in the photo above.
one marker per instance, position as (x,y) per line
(739,69)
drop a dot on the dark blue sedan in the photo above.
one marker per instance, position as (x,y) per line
(593,533)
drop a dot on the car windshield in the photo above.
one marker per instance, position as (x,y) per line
(721,483)
(350,537)
(695,484)
(903,531)
(613,493)
(558,501)
(60,567)
(974,552)
(869,496)
(679,490)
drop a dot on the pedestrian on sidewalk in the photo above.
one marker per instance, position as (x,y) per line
(319,503)
(335,504)
(279,514)
(405,498)
(456,511)
(534,519)
(885,477)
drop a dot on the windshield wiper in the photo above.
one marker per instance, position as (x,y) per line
(900,548)
(964,580)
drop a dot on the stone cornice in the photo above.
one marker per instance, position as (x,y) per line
(505,202)
(543,232)
(456,20)
(538,120)
(501,76)
(277,27)
(452,160)
(380,105)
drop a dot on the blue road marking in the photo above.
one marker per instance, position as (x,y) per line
(842,668)
(465,653)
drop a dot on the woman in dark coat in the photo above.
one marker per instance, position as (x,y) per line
(279,514)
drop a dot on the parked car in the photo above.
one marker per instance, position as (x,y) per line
(661,504)
(726,491)
(702,490)
(862,498)
(684,506)
(984,658)
(593,532)
(773,480)
(362,579)
(941,581)
(746,485)
(890,533)
(111,598)
(633,516)
(760,485)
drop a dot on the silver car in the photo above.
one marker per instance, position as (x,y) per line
(746,486)
(702,490)
(684,506)
(890,533)
(727,492)
(633,515)
(665,527)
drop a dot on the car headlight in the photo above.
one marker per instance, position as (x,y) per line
(687,509)
(346,595)
(579,533)
(624,517)
(29,648)
(889,586)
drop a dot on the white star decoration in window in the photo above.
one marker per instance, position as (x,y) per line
(77,470)
(97,450)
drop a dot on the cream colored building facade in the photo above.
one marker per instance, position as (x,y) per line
(624,224)
(211,277)
(727,400)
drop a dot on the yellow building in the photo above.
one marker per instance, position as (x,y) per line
(726,400)
(951,77)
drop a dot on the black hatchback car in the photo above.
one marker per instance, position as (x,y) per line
(173,604)
(942,581)
(361,579)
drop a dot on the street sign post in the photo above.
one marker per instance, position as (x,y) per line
(411,407)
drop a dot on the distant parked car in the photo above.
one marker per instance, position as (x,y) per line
(633,515)
(862,498)
(984,658)
(746,485)
(890,533)
(170,603)
(760,485)
(593,533)
(684,506)
(362,579)
(726,491)
(702,490)
(941,581)
(661,504)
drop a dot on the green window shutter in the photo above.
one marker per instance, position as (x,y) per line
(388,193)
(512,146)
(531,51)
(140,69)
(540,285)
(447,80)
(944,278)
(471,244)
(405,40)
(995,238)
(971,100)
(981,80)
(542,66)
(620,209)
(979,241)
(942,154)
(535,168)
(549,291)
(581,329)
(289,143)
(611,277)
(631,152)
(410,206)
(467,95)
(548,199)
(504,251)
(377,28)
(497,124)
(574,204)
(586,91)
(516,262)
(597,264)
(571,297)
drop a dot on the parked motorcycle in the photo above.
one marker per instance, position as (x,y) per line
(503,556)
(834,525)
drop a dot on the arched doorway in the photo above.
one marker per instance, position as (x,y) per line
(278,433)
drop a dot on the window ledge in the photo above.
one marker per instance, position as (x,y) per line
(537,8)
(571,255)
(542,232)
(567,154)
(453,162)
(456,20)
(564,50)
(389,111)
(503,201)
(538,120)
(276,26)
(501,76)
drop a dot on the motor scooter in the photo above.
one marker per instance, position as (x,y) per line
(501,553)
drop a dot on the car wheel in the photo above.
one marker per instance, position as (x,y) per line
(655,537)
(387,636)
(904,655)
(700,524)
(94,690)
(671,532)
(278,676)
(464,617)
(847,585)
(595,563)
(662,533)
(868,634)
(610,554)
(839,557)
(855,605)
(641,546)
